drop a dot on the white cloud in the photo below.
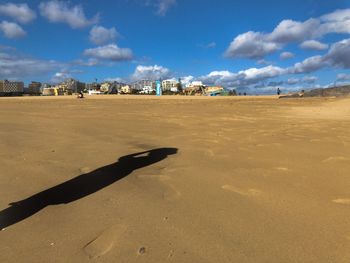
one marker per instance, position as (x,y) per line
(109,52)
(309,79)
(12,30)
(242,78)
(338,55)
(262,73)
(162,6)
(286,55)
(150,73)
(293,81)
(343,76)
(313,45)
(293,31)
(100,35)
(310,64)
(253,45)
(60,76)
(256,45)
(187,80)
(19,12)
(61,12)
(336,22)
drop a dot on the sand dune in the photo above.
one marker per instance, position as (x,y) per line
(173,179)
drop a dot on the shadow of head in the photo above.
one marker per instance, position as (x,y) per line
(163,152)
(145,158)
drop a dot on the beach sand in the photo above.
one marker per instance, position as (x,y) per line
(242,179)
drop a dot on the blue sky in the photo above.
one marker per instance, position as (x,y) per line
(249,45)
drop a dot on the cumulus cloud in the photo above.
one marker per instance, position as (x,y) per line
(253,45)
(338,54)
(223,77)
(61,12)
(337,57)
(242,78)
(100,35)
(109,52)
(336,22)
(256,45)
(150,73)
(12,30)
(293,31)
(313,45)
(286,55)
(262,73)
(310,64)
(19,12)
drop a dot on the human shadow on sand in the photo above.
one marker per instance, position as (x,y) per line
(82,185)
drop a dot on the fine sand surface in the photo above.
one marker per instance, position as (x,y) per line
(244,179)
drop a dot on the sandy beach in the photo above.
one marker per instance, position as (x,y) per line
(175,179)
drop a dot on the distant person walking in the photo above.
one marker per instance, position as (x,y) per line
(278,91)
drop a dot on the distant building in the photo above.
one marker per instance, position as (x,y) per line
(11,88)
(125,89)
(170,84)
(48,92)
(195,84)
(55,91)
(105,87)
(214,90)
(142,85)
(34,88)
(74,86)
(95,92)
(195,88)
(111,87)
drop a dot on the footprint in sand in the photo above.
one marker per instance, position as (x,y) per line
(170,193)
(249,192)
(102,244)
(283,169)
(343,201)
(159,177)
(335,159)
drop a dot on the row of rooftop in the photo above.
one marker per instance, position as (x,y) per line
(72,86)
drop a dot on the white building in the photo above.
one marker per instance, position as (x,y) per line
(170,84)
(195,84)
(125,89)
